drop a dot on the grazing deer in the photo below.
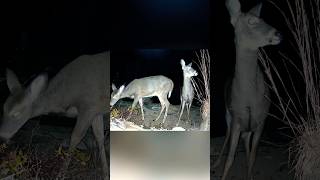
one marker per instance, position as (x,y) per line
(78,90)
(187,89)
(247,97)
(151,86)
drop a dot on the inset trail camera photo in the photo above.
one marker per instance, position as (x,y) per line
(160,90)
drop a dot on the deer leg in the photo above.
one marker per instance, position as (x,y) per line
(188,111)
(162,107)
(182,107)
(246,136)
(255,142)
(141,106)
(79,131)
(135,101)
(98,131)
(235,133)
(226,140)
(167,104)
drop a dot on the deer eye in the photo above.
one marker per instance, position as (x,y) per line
(15,114)
(253,20)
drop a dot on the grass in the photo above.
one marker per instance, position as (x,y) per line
(301,112)
(202,87)
(31,160)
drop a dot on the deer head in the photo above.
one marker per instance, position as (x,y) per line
(116,94)
(250,30)
(18,107)
(188,71)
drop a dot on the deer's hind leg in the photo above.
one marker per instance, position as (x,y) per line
(167,104)
(162,106)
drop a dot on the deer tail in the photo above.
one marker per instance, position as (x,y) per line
(171,88)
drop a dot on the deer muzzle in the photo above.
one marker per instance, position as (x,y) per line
(277,38)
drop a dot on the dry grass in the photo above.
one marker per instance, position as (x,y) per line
(303,21)
(29,161)
(123,112)
(202,88)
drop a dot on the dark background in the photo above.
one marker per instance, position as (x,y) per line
(44,36)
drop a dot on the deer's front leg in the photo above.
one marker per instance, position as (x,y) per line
(246,136)
(235,134)
(182,107)
(97,127)
(253,152)
(79,131)
(141,106)
(135,101)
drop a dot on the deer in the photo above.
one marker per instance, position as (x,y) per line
(78,90)
(160,86)
(187,94)
(247,95)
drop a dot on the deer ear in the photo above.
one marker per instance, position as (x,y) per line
(234,9)
(37,86)
(121,89)
(182,63)
(190,64)
(256,10)
(114,87)
(12,81)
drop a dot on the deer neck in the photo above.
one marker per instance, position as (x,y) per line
(127,92)
(187,82)
(246,67)
(46,103)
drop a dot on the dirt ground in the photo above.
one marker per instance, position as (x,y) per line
(271,162)
(39,145)
(151,112)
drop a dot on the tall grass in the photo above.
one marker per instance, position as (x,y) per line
(303,21)
(202,87)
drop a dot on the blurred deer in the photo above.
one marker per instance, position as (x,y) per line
(137,89)
(187,95)
(78,90)
(247,95)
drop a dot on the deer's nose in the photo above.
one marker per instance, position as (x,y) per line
(278,34)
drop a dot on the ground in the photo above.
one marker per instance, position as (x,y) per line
(38,150)
(271,162)
(151,112)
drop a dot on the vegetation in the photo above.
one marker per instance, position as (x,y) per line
(202,88)
(302,113)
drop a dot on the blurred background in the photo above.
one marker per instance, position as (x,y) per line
(160,155)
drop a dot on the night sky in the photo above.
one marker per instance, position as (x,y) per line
(44,36)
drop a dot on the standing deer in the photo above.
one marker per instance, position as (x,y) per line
(187,89)
(247,97)
(78,90)
(151,86)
